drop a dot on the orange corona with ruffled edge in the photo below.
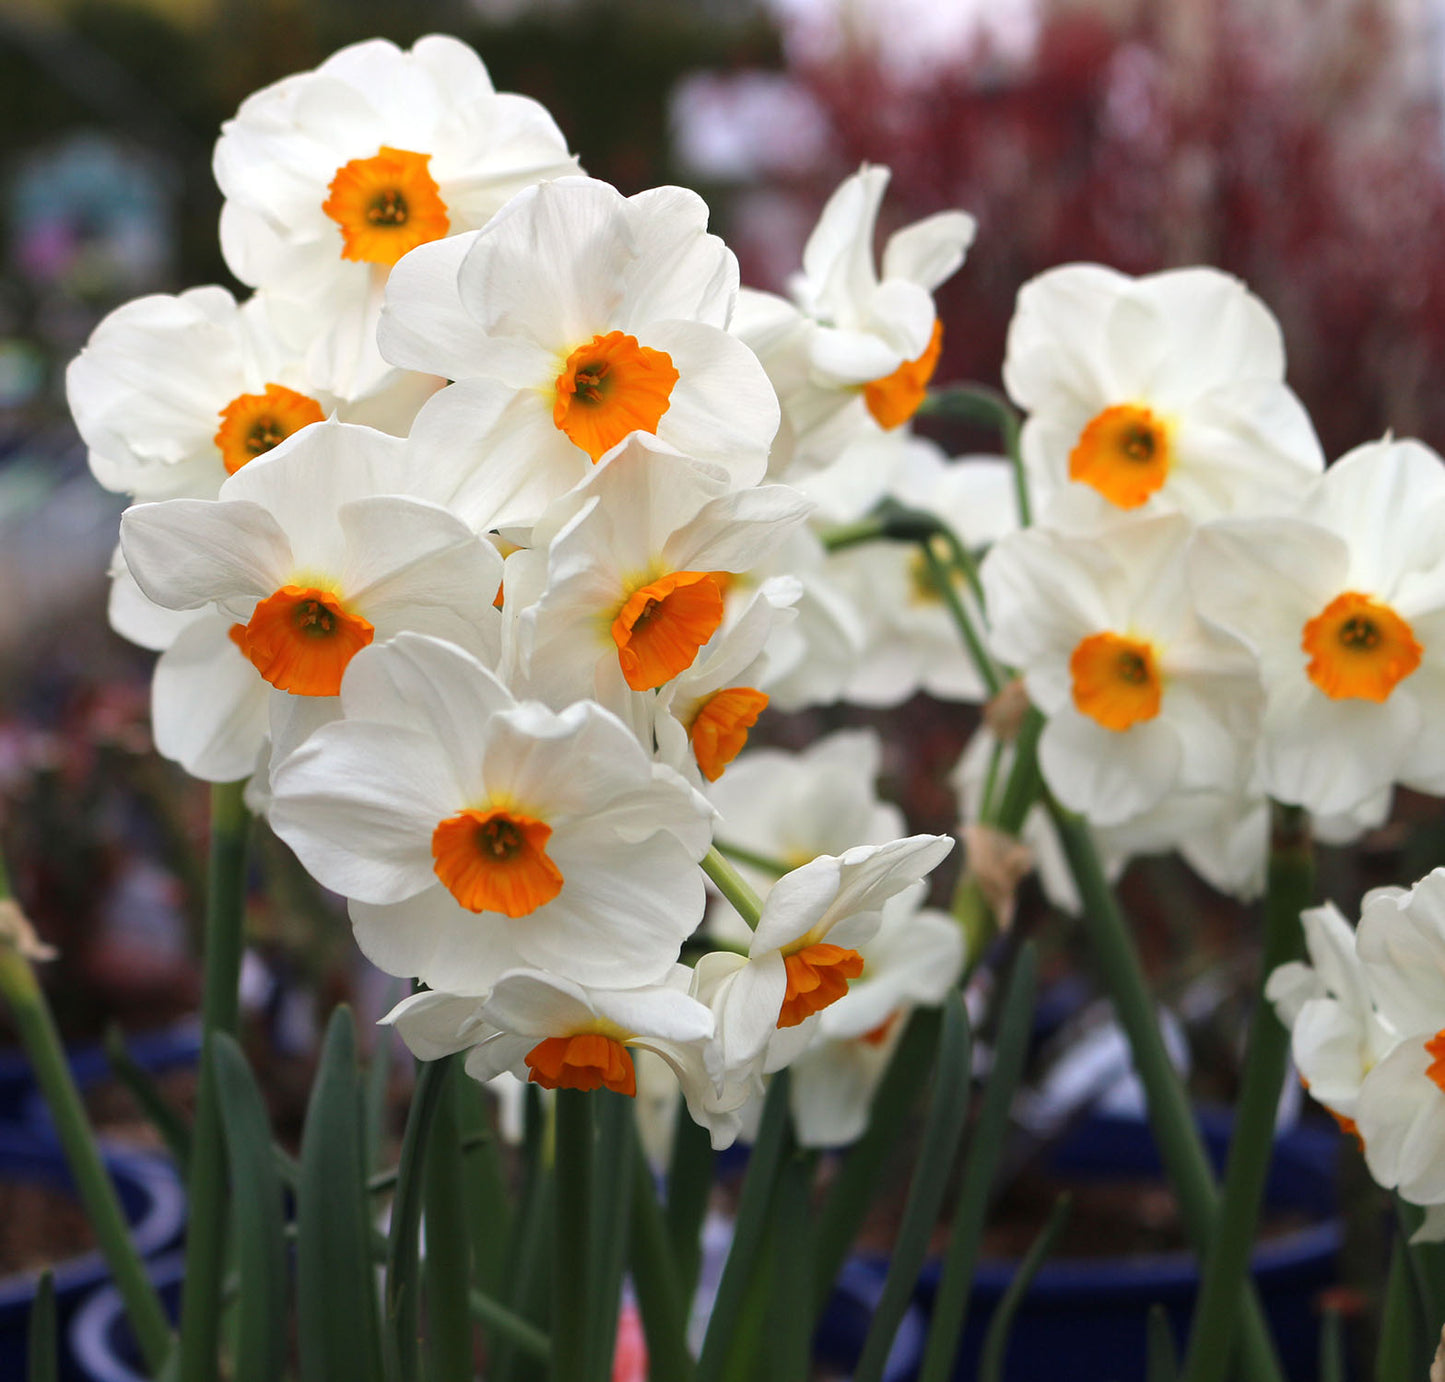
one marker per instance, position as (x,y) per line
(896,397)
(302,638)
(609,388)
(1124,454)
(817,976)
(496,861)
(1116,681)
(662,624)
(1359,649)
(720,729)
(386,205)
(588,1060)
(1435,1048)
(253,423)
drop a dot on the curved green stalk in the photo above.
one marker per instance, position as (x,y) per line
(731,884)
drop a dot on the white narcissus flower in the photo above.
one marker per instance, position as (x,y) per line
(576,318)
(914,960)
(557,1034)
(174,394)
(805,948)
(1400,1108)
(1154,395)
(1143,699)
(853,349)
(629,569)
(1343,605)
(331,176)
(476,834)
(312,554)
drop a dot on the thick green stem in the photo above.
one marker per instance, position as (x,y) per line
(1226,1266)
(762,862)
(731,884)
(1170,1116)
(220,1012)
(42,1044)
(572,1266)
(942,582)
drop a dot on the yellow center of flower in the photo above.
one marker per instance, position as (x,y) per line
(386,205)
(586,1061)
(818,975)
(720,729)
(662,625)
(896,397)
(302,638)
(253,423)
(609,388)
(496,861)
(1123,453)
(1359,648)
(1116,681)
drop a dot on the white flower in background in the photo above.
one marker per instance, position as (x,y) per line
(312,555)
(629,571)
(331,176)
(1343,604)
(476,834)
(805,948)
(583,316)
(792,807)
(912,642)
(1400,1109)
(1143,699)
(1336,1034)
(1158,394)
(914,960)
(557,1034)
(173,394)
(853,350)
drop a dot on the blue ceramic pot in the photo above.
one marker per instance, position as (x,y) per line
(99,1343)
(1087,1317)
(843,1328)
(154,1202)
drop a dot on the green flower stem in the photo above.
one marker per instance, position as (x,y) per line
(1226,1265)
(220,1012)
(762,862)
(42,1043)
(942,582)
(981,404)
(731,884)
(572,1266)
(1170,1116)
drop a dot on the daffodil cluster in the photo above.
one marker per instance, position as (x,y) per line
(479,537)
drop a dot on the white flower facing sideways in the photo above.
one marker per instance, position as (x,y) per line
(331,176)
(174,394)
(310,554)
(914,960)
(1158,394)
(475,834)
(804,949)
(850,338)
(577,317)
(1343,605)
(628,573)
(1143,699)
(558,1034)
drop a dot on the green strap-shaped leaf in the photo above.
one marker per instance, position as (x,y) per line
(657,1279)
(40,1351)
(335,1284)
(689,1184)
(947,1113)
(259,1218)
(748,1230)
(447,1267)
(861,1174)
(995,1343)
(950,1304)
(1163,1358)
(612,1185)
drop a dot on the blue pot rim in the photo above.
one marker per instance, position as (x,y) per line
(91,1336)
(158,1225)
